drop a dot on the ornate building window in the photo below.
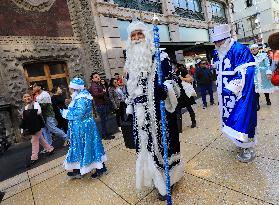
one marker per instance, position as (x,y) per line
(218,12)
(48,74)
(154,6)
(189,9)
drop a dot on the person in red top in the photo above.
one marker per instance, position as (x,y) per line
(119,79)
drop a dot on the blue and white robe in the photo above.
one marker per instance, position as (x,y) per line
(236,94)
(86,151)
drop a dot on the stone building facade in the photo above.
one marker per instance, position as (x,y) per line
(256,20)
(53,40)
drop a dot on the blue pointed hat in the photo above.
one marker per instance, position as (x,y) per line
(77,84)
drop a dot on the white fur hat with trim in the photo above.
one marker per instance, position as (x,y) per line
(220,32)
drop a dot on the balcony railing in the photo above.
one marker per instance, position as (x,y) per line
(144,5)
(218,19)
(185,13)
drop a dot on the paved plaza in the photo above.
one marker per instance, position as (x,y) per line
(212,175)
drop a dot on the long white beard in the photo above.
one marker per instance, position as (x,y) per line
(139,61)
(223,49)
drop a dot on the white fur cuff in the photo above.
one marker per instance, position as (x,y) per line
(234,86)
(171,101)
(64,113)
(129,110)
(268,72)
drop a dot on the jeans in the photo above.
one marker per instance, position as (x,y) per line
(36,139)
(203,90)
(102,111)
(51,128)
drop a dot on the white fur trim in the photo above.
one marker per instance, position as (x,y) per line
(234,86)
(129,110)
(235,136)
(171,101)
(163,55)
(86,169)
(268,72)
(220,32)
(64,113)
(188,88)
(76,86)
(176,88)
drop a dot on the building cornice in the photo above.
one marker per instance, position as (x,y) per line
(112,10)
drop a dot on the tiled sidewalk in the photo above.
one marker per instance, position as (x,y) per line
(212,175)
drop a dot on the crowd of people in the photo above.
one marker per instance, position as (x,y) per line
(242,74)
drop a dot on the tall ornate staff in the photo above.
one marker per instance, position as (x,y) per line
(162,107)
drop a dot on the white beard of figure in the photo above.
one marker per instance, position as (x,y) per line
(223,49)
(138,63)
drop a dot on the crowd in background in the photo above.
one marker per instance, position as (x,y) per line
(108,97)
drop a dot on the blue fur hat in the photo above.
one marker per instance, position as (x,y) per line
(77,84)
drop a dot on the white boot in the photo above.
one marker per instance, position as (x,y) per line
(246,155)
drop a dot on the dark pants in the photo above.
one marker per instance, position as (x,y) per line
(102,111)
(266,98)
(120,112)
(203,90)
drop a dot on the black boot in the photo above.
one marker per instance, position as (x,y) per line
(268,102)
(99,172)
(75,174)
(193,119)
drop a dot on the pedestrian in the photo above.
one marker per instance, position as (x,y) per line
(32,124)
(204,80)
(104,84)
(117,98)
(58,102)
(86,151)
(263,75)
(118,78)
(44,99)
(185,101)
(99,94)
(236,91)
(144,95)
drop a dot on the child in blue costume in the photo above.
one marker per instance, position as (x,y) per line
(86,150)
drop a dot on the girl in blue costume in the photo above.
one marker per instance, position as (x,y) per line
(86,150)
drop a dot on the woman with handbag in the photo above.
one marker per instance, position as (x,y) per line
(186,99)
(32,124)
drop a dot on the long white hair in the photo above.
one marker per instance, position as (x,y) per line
(138,55)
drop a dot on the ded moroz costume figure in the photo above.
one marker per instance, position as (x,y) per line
(263,75)
(86,151)
(143,102)
(236,91)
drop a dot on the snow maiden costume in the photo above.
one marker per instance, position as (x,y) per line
(262,83)
(86,151)
(236,91)
(143,101)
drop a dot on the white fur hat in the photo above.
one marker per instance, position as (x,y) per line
(254,46)
(136,25)
(220,32)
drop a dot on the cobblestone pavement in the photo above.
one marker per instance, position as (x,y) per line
(212,175)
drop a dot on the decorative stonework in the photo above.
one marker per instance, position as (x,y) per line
(108,9)
(84,28)
(34,5)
